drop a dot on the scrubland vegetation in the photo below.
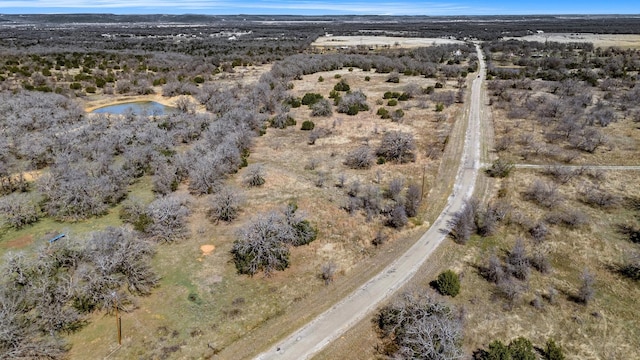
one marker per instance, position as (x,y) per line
(300,176)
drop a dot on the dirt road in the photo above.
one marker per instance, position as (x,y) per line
(313,337)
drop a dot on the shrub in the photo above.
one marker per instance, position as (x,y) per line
(383,113)
(320,79)
(522,349)
(397,115)
(352,103)
(75,86)
(367,78)
(311,98)
(439,107)
(497,351)
(392,102)
(294,102)
(448,283)
(342,86)
(394,77)
(404,96)
(308,125)
(553,351)
(282,120)
(391,95)
(500,169)
(439,85)
(397,218)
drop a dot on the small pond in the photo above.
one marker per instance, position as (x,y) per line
(137,108)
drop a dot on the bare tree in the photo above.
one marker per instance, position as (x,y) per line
(168,218)
(328,272)
(517,261)
(254,175)
(397,146)
(360,158)
(539,232)
(540,261)
(395,189)
(322,108)
(397,217)
(19,210)
(544,194)
(412,200)
(225,204)
(263,243)
(586,291)
(417,326)
(463,222)
(493,270)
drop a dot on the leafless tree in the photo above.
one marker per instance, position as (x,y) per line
(185,105)
(395,189)
(19,210)
(328,272)
(254,175)
(417,326)
(540,261)
(539,232)
(559,173)
(397,146)
(397,217)
(517,261)
(543,194)
(322,108)
(463,222)
(597,197)
(165,179)
(412,200)
(225,204)
(359,158)
(353,102)
(493,270)
(586,292)
(168,218)
(262,245)
(571,218)
(631,266)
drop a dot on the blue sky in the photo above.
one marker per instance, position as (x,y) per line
(327,7)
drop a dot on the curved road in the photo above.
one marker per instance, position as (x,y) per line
(314,336)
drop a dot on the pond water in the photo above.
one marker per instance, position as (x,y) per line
(137,108)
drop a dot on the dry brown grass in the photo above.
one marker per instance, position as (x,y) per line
(631,41)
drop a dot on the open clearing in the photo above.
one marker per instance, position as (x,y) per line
(380,41)
(598,40)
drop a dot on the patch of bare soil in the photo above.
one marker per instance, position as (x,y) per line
(380,41)
(598,40)
(207,249)
(19,243)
